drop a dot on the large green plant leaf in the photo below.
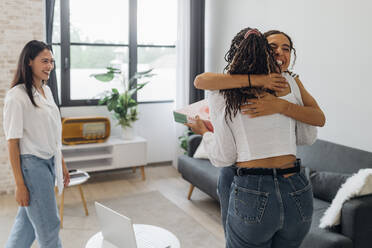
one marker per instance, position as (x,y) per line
(111,105)
(114,70)
(139,75)
(131,92)
(132,103)
(108,76)
(103,101)
(104,77)
(144,72)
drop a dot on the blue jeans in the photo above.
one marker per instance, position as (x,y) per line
(225,180)
(40,219)
(265,211)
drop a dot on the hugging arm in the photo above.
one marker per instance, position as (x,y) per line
(310,113)
(218,81)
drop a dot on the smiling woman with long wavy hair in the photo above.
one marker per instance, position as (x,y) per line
(32,126)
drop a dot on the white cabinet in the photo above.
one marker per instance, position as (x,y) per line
(113,154)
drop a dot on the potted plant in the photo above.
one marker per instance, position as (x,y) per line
(123,105)
(183,139)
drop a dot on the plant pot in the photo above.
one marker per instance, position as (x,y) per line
(128,133)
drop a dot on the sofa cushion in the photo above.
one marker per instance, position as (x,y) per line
(201,152)
(320,205)
(357,220)
(324,238)
(326,184)
(327,156)
(356,185)
(193,143)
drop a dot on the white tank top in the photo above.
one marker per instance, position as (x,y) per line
(254,138)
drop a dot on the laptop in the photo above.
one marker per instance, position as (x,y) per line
(116,229)
(118,232)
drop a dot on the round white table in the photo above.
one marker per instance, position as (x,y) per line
(146,236)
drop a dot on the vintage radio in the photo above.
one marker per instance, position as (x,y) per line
(82,130)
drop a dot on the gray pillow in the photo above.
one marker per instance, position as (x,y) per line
(326,184)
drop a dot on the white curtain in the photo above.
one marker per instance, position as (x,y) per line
(183,68)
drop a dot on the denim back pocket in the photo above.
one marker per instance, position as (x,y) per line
(249,204)
(304,202)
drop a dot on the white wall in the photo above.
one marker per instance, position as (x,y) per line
(20,22)
(155,124)
(333,40)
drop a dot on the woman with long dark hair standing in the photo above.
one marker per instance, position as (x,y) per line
(266,200)
(32,126)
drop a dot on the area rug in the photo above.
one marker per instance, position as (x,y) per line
(145,208)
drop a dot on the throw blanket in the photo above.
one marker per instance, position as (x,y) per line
(357,185)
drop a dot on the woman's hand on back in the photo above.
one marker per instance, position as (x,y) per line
(273,81)
(266,105)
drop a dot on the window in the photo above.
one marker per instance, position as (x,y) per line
(88,38)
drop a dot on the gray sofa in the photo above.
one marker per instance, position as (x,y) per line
(329,165)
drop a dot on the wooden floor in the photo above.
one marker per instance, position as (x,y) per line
(163,178)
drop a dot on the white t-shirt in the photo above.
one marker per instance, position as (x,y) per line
(246,139)
(38,129)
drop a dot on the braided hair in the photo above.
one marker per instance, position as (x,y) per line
(249,53)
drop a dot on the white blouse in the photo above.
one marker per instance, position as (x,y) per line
(38,129)
(246,139)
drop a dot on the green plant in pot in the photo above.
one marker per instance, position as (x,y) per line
(122,105)
(183,139)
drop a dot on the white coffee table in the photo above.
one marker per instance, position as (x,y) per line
(146,236)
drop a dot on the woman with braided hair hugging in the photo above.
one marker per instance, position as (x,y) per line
(266,199)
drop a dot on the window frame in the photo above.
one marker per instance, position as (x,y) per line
(65,45)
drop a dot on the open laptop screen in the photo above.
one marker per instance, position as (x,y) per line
(116,228)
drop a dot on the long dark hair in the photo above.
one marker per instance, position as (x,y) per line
(23,74)
(249,53)
(272,32)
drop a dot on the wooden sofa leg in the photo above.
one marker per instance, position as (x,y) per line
(190,192)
